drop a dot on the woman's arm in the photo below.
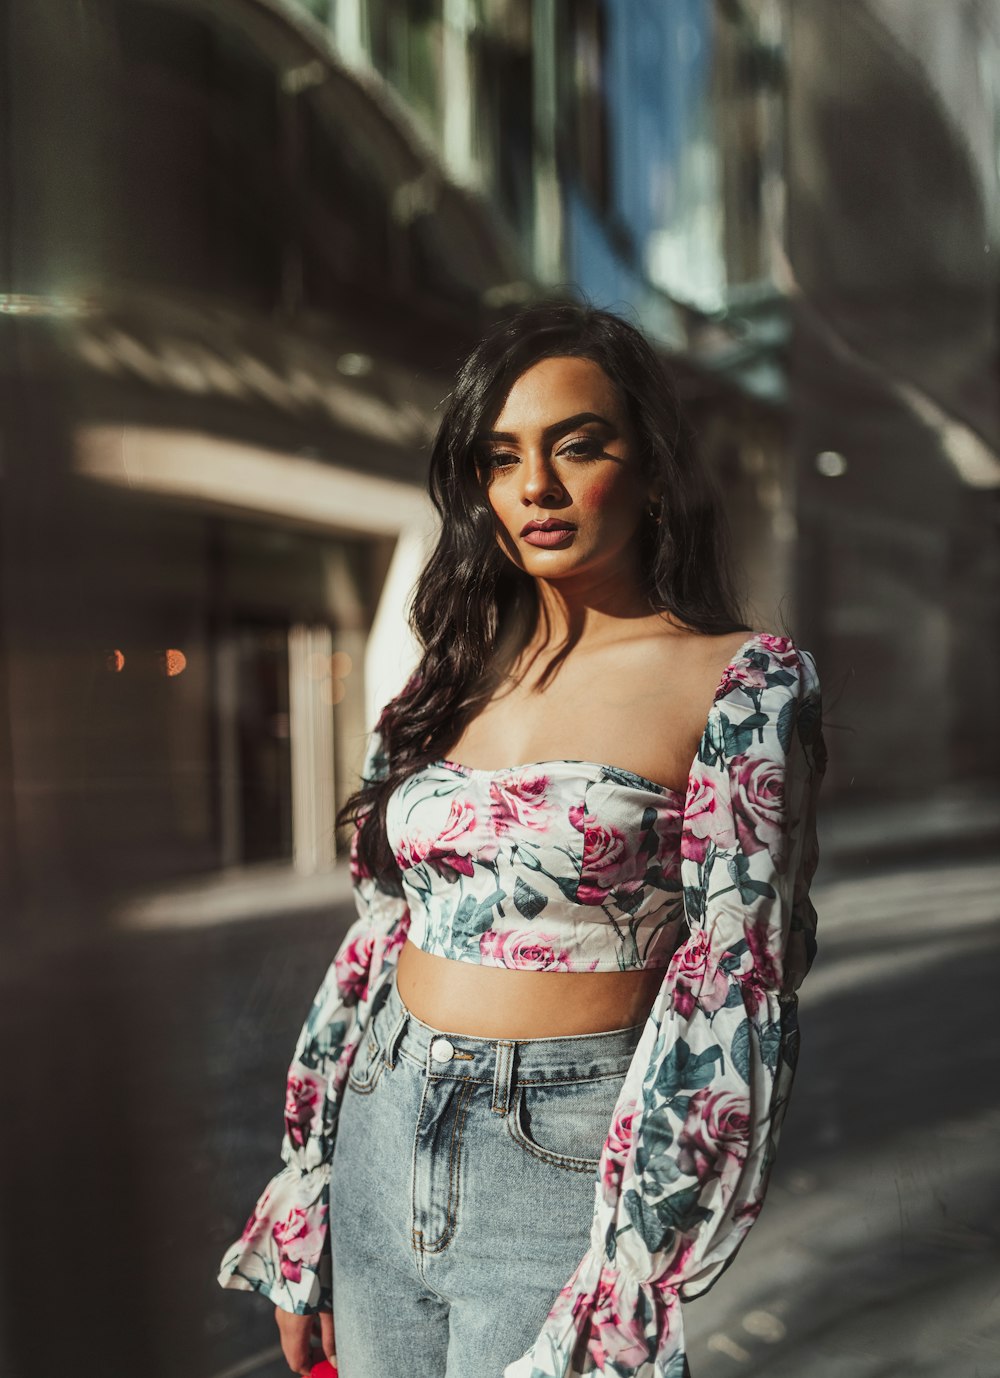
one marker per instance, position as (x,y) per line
(283,1251)
(684,1170)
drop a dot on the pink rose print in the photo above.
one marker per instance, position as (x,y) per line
(452,847)
(754,993)
(604,851)
(747,1213)
(352,968)
(519,801)
(454,842)
(766,969)
(668,826)
(696,978)
(412,850)
(301,1097)
(257,1223)
(705,820)
(613,1327)
(616,1150)
(781,652)
(298,1243)
(524,951)
(743,675)
(397,938)
(713,1141)
(759,807)
(343,1064)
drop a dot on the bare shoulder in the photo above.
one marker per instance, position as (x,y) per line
(692,655)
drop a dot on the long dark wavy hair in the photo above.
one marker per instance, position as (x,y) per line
(470,592)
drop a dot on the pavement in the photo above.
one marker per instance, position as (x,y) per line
(962,821)
(877,1253)
(149,1084)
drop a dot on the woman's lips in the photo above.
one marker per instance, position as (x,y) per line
(560,535)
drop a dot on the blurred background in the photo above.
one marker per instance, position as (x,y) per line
(244,245)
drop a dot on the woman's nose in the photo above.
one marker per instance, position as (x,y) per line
(539,481)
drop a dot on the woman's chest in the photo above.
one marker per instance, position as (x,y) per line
(628,721)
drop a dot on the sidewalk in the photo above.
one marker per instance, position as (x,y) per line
(957,823)
(954,825)
(244,892)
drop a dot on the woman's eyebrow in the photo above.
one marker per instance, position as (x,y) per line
(556,427)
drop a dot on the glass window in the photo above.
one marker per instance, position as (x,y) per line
(583,98)
(200,193)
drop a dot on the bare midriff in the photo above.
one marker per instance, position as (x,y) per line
(494,1002)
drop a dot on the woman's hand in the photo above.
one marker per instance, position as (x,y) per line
(295,1332)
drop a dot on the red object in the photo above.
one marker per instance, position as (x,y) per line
(324,1369)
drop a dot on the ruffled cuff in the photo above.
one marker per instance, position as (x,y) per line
(604,1322)
(282,1251)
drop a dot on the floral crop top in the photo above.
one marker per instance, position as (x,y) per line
(550,866)
(692,1141)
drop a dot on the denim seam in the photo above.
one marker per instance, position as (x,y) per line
(417,1235)
(572,1081)
(618,1073)
(545,1155)
(553,1159)
(454,1163)
(375,1065)
(392,1042)
(501,1075)
(454,1177)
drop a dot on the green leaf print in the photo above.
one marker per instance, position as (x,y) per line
(738,736)
(809,720)
(733,959)
(780,676)
(462,919)
(770,1043)
(786,723)
(749,888)
(710,746)
(740,1050)
(628,901)
(734,996)
(657,1221)
(652,1230)
(528,901)
(681,1070)
(654,1145)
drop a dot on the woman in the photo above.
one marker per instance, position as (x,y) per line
(554,1051)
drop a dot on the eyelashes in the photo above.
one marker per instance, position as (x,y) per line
(576,449)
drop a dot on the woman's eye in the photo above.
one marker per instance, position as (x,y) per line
(576,449)
(582,448)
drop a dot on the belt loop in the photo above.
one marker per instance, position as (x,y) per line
(502,1076)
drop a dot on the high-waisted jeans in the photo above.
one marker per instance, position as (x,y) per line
(462,1190)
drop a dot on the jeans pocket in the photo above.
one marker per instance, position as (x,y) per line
(565,1123)
(368,1061)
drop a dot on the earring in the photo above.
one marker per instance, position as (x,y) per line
(655,510)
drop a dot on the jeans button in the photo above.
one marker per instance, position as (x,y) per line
(442,1049)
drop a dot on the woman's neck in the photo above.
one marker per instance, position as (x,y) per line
(540,634)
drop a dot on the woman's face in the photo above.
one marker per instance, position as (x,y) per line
(561,472)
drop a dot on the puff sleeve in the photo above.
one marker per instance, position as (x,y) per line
(283,1251)
(685,1167)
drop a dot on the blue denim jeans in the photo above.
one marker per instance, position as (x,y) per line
(462,1190)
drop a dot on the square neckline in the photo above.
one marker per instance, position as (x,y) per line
(487,772)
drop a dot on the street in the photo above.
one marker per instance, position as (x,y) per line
(878,1249)
(165,1053)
